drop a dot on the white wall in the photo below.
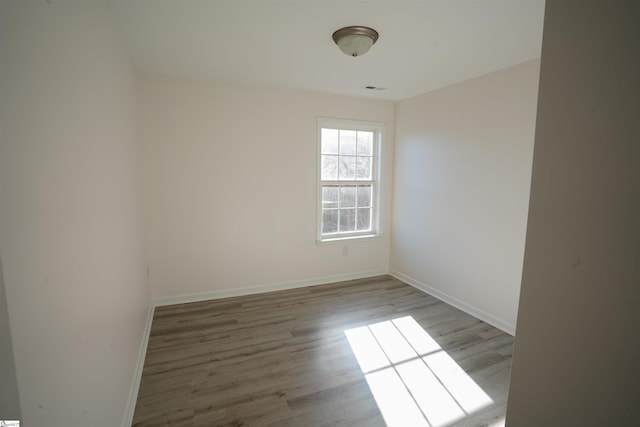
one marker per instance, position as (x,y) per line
(230,187)
(577,352)
(70,233)
(461,185)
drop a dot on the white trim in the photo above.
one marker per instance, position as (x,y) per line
(461,305)
(348,239)
(137,374)
(270,287)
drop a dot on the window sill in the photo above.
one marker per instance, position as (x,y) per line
(346,239)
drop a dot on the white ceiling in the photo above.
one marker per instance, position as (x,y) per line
(423,44)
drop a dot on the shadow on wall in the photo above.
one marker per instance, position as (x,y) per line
(9,402)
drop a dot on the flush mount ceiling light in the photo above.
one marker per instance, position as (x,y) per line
(356,40)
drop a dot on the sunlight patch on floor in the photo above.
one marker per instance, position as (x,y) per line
(414,381)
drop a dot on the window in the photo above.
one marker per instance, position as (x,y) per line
(348,175)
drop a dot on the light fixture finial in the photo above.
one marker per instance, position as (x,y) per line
(355,40)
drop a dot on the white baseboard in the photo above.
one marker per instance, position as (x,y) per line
(280,286)
(137,374)
(461,305)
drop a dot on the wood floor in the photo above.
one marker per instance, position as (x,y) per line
(283,359)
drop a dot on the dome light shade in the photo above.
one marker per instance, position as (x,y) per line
(355,41)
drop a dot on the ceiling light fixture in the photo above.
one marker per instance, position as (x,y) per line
(356,40)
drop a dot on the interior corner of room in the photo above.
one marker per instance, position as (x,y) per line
(508,184)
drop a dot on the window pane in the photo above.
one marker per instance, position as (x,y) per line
(347,178)
(364,219)
(329,221)
(365,143)
(347,220)
(347,168)
(329,141)
(348,196)
(363,168)
(329,196)
(348,142)
(329,167)
(364,196)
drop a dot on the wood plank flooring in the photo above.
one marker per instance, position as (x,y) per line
(282,358)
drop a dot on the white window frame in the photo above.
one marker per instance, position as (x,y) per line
(378,132)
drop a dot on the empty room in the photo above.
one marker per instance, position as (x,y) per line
(318,213)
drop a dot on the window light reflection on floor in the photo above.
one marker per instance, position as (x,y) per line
(414,381)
